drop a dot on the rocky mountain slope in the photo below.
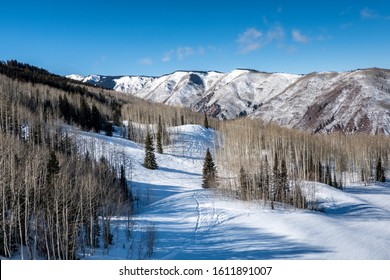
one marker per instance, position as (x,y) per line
(355,101)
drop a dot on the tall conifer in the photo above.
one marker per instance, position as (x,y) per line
(150,158)
(209,171)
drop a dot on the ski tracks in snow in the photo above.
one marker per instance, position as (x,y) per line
(209,218)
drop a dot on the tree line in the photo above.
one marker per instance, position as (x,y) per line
(263,161)
(55,201)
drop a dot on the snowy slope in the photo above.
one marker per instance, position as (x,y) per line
(356,101)
(194,223)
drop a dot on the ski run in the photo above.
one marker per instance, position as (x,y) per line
(176,219)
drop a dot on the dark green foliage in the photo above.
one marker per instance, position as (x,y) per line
(28,73)
(159,136)
(150,158)
(53,166)
(320,173)
(205,121)
(244,184)
(123,183)
(108,128)
(284,184)
(67,111)
(95,119)
(380,172)
(328,176)
(311,169)
(275,194)
(209,173)
(334,182)
(85,115)
(116,109)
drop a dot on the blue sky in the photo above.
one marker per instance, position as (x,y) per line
(158,37)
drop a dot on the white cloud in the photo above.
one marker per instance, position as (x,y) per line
(167,56)
(367,13)
(249,40)
(275,33)
(253,39)
(183,52)
(145,61)
(299,37)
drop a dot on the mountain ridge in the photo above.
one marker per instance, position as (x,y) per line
(355,101)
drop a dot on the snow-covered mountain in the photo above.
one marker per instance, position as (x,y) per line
(355,101)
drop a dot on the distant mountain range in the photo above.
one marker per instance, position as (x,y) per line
(351,102)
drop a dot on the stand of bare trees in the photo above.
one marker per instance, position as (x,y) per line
(53,199)
(263,161)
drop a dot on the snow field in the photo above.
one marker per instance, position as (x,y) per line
(189,222)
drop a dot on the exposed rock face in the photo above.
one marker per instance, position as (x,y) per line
(351,102)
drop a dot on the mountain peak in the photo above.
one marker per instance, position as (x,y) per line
(351,102)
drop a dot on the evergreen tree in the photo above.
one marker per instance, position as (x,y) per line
(328,176)
(284,181)
(267,179)
(108,128)
(123,182)
(334,182)
(320,173)
(209,171)
(95,119)
(276,192)
(85,115)
(159,136)
(53,168)
(244,186)
(205,121)
(380,172)
(150,158)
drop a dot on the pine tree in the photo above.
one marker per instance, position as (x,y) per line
(276,182)
(108,127)
(320,173)
(243,183)
(284,181)
(95,119)
(328,176)
(150,158)
(205,121)
(159,136)
(85,115)
(267,179)
(53,166)
(123,182)
(380,172)
(209,171)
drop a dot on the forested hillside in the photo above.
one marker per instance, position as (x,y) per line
(61,192)
(52,193)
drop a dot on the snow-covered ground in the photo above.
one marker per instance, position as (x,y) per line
(188,222)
